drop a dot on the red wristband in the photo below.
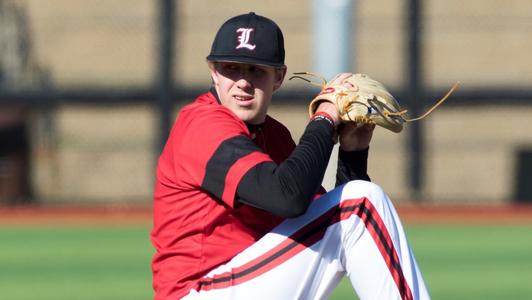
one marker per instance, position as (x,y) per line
(322,115)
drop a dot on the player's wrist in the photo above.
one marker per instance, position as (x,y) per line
(323,116)
(328,109)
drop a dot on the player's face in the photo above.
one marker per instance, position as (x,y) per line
(246,89)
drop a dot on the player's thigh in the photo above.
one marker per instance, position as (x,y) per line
(297,259)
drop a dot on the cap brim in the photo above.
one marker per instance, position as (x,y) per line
(243,60)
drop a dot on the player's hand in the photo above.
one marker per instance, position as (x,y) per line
(355,137)
(329,107)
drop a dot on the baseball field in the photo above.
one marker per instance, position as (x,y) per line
(464,253)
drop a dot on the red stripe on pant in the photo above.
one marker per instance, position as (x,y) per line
(308,236)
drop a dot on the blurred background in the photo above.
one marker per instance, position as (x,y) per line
(88,90)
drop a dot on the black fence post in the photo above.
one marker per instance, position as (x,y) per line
(414,92)
(523,176)
(165,68)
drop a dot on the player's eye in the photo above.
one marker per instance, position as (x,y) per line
(257,70)
(228,69)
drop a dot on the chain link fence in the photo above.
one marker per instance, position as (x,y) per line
(81,79)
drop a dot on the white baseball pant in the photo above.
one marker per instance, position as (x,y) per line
(353,230)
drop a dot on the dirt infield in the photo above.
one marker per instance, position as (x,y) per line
(410,214)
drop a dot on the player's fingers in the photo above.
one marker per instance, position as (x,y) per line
(360,127)
(369,127)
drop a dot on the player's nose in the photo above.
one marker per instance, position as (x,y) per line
(244,80)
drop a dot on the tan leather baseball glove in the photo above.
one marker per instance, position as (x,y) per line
(362,99)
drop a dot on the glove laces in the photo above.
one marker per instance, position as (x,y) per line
(402,113)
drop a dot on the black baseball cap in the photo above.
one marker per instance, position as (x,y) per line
(249,38)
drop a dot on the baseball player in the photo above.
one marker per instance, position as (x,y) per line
(239,211)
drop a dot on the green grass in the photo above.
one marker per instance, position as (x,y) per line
(75,263)
(78,262)
(476,262)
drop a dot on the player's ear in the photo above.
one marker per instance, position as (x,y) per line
(214,74)
(280,74)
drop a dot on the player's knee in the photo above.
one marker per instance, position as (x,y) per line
(363,185)
(361,188)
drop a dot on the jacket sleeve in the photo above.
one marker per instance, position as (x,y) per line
(352,165)
(286,189)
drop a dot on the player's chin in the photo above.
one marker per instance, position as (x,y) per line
(251,117)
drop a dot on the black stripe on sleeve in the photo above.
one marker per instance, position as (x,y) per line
(229,152)
(286,189)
